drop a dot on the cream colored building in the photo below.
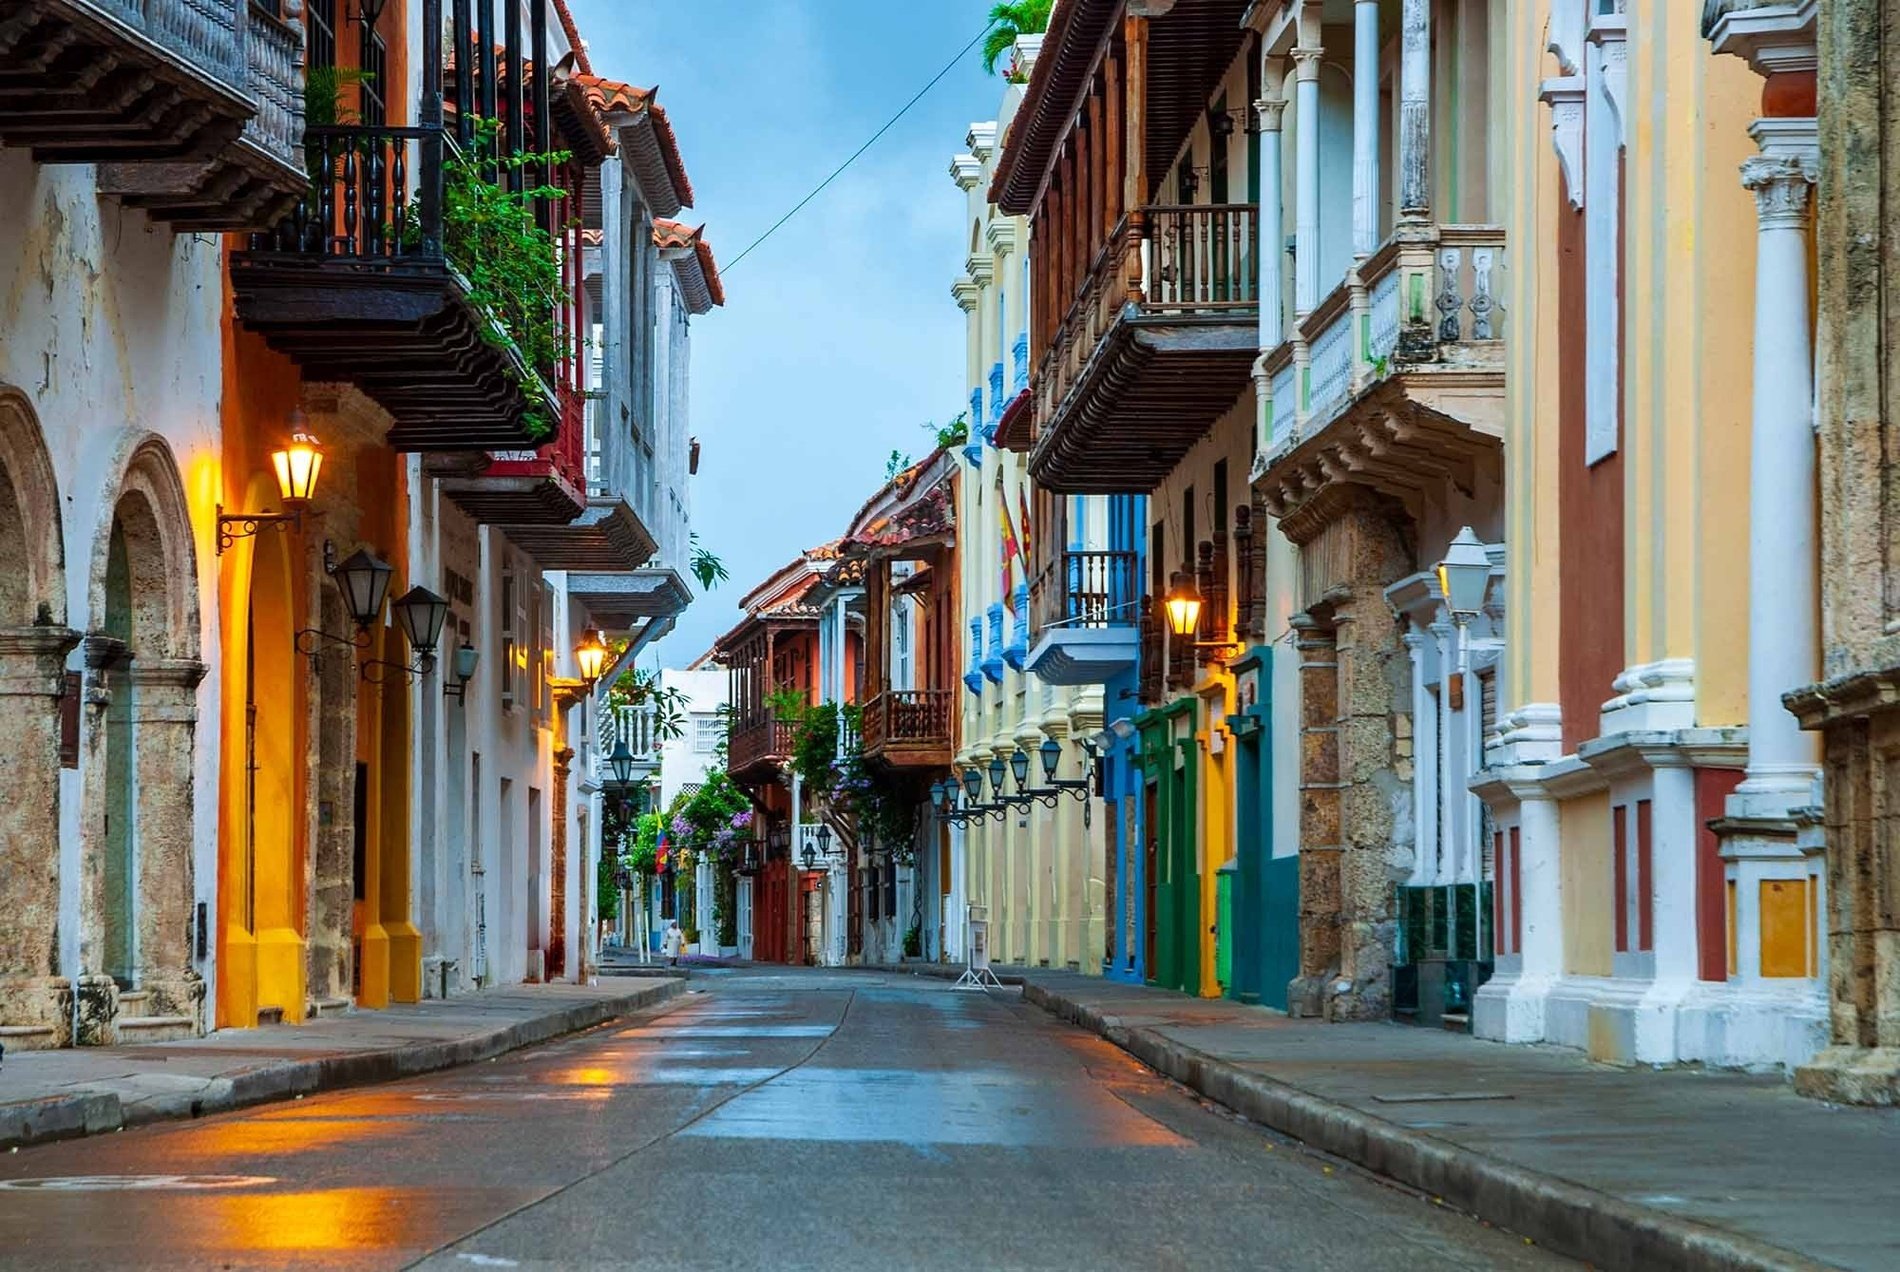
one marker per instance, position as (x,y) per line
(1035,863)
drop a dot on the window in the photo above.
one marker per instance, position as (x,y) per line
(705,734)
(511,628)
(544,652)
(375,85)
(322,50)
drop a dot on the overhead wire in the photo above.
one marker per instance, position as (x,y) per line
(856,154)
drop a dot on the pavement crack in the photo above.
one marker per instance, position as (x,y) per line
(636,1150)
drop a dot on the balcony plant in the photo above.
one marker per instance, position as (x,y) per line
(1009,20)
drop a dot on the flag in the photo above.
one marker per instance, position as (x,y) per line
(1022,496)
(659,857)
(1011,549)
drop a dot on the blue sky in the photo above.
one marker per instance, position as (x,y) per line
(839,338)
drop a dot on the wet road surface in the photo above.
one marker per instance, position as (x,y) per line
(764,1120)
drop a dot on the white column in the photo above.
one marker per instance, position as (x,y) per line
(1306,181)
(1425,768)
(1365,127)
(1783,645)
(1272,224)
(1415,109)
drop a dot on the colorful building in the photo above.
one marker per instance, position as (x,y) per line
(1033,863)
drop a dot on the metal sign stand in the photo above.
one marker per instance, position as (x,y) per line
(976,944)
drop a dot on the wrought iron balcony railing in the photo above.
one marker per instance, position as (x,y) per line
(1085,590)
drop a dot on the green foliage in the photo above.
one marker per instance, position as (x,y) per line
(955,433)
(914,942)
(606,890)
(717,819)
(644,849)
(324,88)
(707,568)
(638,687)
(788,703)
(896,464)
(509,263)
(725,907)
(1011,19)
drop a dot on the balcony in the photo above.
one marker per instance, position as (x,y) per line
(528,487)
(122,81)
(758,747)
(1158,344)
(1085,610)
(253,183)
(1395,381)
(639,725)
(354,286)
(909,728)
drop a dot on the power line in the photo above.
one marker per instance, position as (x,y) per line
(839,170)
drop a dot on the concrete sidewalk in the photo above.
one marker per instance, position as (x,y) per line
(1632,1168)
(49,1095)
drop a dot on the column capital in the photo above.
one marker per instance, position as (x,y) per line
(1782,184)
(1269,111)
(1306,64)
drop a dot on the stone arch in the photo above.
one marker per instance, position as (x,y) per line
(34,642)
(148,516)
(138,926)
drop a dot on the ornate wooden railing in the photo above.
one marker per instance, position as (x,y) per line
(907,716)
(203,33)
(1187,262)
(273,53)
(1084,589)
(375,196)
(763,738)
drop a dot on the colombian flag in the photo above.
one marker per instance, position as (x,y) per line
(1012,550)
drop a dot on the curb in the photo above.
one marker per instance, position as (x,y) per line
(1558,1214)
(60,1117)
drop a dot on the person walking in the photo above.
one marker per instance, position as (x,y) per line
(672,943)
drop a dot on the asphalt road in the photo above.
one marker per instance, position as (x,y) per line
(767,1120)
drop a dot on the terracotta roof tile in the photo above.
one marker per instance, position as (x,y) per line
(613,97)
(573,36)
(677,234)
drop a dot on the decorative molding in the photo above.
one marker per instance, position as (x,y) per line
(966,293)
(967,171)
(1782,185)
(981,268)
(1609,32)
(1565,97)
(1269,111)
(1568,18)
(1651,697)
(1776,39)
(981,139)
(1000,234)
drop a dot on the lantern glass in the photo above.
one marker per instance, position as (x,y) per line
(591,656)
(972,784)
(297,465)
(938,796)
(1464,574)
(421,614)
(1051,757)
(1019,767)
(824,838)
(465,660)
(620,762)
(365,583)
(1184,605)
(811,857)
(996,777)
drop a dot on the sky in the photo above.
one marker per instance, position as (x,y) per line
(839,339)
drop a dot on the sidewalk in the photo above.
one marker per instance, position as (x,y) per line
(1630,1168)
(48,1095)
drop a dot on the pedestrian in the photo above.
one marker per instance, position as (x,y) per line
(672,943)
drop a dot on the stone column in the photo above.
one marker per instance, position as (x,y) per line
(1415,110)
(1365,127)
(165,727)
(1783,641)
(557,866)
(1319,816)
(32,704)
(1306,181)
(1272,225)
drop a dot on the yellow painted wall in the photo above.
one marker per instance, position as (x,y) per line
(1583,833)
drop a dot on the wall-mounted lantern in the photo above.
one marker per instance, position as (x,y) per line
(420,613)
(461,671)
(296,464)
(363,579)
(591,657)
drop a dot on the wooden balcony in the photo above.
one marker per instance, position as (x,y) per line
(1085,609)
(103,81)
(1394,382)
(542,487)
(354,286)
(758,747)
(909,728)
(252,183)
(1158,344)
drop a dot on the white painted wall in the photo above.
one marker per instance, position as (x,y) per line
(689,757)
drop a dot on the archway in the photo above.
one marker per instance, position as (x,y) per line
(139,930)
(36,703)
(273,778)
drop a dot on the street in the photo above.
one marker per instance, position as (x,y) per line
(767,1119)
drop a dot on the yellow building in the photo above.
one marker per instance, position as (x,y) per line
(1655,861)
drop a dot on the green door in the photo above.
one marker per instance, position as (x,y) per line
(1171,769)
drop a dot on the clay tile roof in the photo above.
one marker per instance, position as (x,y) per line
(573,36)
(611,97)
(676,234)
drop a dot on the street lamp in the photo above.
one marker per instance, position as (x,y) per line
(1051,751)
(591,657)
(811,856)
(620,763)
(363,579)
(296,464)
(1019,769)
(996,778)
(1183,604)
(461,672)
(420,613)
(1463,577)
